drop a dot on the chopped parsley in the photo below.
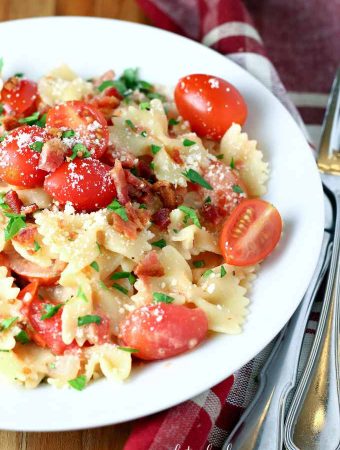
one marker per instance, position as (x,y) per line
(109,83)
(159,297)
(15,224)
(142,206)
(130,124)
(232,163)
(99,249)
(79,150)
(173,122)
(188,143)
(3,137)
(103,285)
(221,156)
(144,106)
(127,83)
(237,189)
(37,146)
(144,133)
(19,74)
(120,275)
(155,149)
(196,178)
(120,288)
(81,294)
(3,204)
(36,246)
(95,266)
(118,209)
(223,272)
(152,166)
(161,243)
(89,318)
(7,323)
(128,349)
(199,264)
(190,214)
(68,134)
(207,273)
(50,310)
(207,200)
(42,121)
(78,383)
(30,119)
(1,109)
(22,337)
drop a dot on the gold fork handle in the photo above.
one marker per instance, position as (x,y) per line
(313,421)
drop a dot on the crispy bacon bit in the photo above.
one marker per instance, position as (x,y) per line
(27,235)
(12,83)
(106,104)
(161,218)
(176,156)
(150,266)
(9,123)
(170,196)
(29,209)
(52,155)
(211,214)
(138,218)
(143,168)
(118,176)
(13,201)
(128,229)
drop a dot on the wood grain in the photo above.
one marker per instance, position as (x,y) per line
(106,438)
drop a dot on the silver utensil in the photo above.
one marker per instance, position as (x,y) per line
(261,426)
(313,421)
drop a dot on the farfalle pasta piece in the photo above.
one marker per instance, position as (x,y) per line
(61,85)
(133,249)
(223,300)
(64,368)
(253,170)
(107,360)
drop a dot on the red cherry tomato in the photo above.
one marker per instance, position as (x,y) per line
(210,104)
(18,161)
(228,188)
(86,121)
(163,330)
(86,183)
(251,232)
(18,95)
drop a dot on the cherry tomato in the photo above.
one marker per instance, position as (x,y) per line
(18,95)
(46,276)
(86,121)
(210,104)
(18,161)
(250,233)
(86,183)
(228,188)
(163,330)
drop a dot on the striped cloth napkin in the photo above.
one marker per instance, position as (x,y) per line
(291,43)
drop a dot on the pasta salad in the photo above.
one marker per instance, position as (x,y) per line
(131,223)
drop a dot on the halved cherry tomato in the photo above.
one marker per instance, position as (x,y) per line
(162,330)
(46,276)
(18,161)
(86,121)
(210,104)
(250,233)
(86,183)
(18,95)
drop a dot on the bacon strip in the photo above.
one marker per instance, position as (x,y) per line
(27,235)
(52,155)
(170,196)
(29,209)
(138,218)
(161,218)
(150,266)
(13,201)
(118,176)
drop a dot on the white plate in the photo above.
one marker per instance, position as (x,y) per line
(91,46)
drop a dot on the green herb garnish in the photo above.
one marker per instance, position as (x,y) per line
(221,156)
(128,349)
(95,266)
(159,297)
(173,122)
(37,146)
(196,178)
(15,224)
(7,323)
(142,206)
(237,189)
(232,163)
(144,133)
(22,337)
(161,243)
(68,134)
(130,124)
(121,275)
(223,272)
(42,121)
(30,119)
(120,288)
(207,200)
(79,150)
(19,74)
(144,106)
(199,264)
(50,310)
(85,320)
(103,285)
(190,214)
(152,165)
(188,143)
(207,273)
(118,209)
(81,294)
(36,246)
(155,149)
(3,204)
(78,383)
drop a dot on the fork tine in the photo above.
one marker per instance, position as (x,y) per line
(328,161)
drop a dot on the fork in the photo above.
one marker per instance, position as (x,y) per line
(313,421)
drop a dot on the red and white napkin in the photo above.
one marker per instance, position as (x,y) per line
(293,47)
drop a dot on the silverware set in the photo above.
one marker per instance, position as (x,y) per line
(312,419)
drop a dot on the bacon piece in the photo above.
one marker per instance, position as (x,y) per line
(170,196)
(176,156)
(138,218)
(108,75)
(143,168)
(9,123)
(27,235)
(118,176)
(150,266)
(161,218)
(106,104)
(13,201)
(211,214)
(52,155)
(29,209)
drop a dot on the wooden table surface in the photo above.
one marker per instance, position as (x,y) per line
(108,438)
